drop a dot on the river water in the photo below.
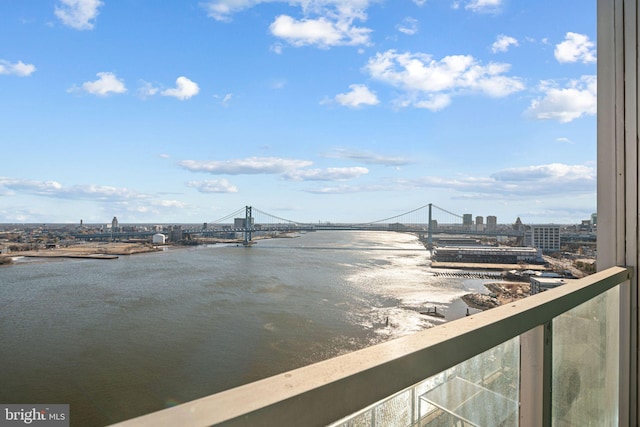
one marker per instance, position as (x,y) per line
(120,338)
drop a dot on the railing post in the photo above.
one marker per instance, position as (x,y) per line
(531,382)
(535,376)
(547,367)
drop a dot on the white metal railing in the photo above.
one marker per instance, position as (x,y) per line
(329,392)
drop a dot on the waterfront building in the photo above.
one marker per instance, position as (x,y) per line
(541,284)
(159,239)
(175,233)
(487,254)
(114,224)
(479,223)
(544,237)
(460,241)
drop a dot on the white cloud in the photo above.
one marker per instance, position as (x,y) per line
(109,196)
(419,2)
(339,189)
(225,100)
(17,68)
(329,174)
(184,89)
(554,172)
(213,186)
(321,32)
(107,83)
(221,10)
(78,14)
(289,169)
(519,183)
(99,192)
(170,204)
(358,96)
(576,48)
(147,90)
(503,43)
(554,179)
(430,83)
(368,157)
(324,23)
(435,102)
(276,48)
(483,5)
(54,189)
(564,140)
(8,186)
(566,104)
(250,165)
(409,26)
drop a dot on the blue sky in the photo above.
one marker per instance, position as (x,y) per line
(312,110)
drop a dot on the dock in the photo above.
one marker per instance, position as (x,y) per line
(433,312)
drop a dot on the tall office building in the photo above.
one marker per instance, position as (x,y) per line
(467,220)
(492,223)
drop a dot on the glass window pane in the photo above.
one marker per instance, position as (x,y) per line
(481,391)
(585,363)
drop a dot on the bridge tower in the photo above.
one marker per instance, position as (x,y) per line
(430,231)
(248,225)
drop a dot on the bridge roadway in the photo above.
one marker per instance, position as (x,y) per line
(299,228)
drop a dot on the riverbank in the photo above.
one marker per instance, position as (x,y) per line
(87,250)
(500,293)
(112,250)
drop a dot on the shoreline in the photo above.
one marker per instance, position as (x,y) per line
(113,250)
(100,250)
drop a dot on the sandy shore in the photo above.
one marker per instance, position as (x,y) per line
(88,250)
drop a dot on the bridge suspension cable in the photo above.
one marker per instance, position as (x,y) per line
(446,211)
(398,216)
(271,216)
(237,214)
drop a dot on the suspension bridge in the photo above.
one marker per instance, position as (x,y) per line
(426,220)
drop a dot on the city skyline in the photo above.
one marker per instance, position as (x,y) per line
(313,110)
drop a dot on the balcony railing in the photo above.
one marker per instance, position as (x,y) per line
(551,358)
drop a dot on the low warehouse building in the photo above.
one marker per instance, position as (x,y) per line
(488,254)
